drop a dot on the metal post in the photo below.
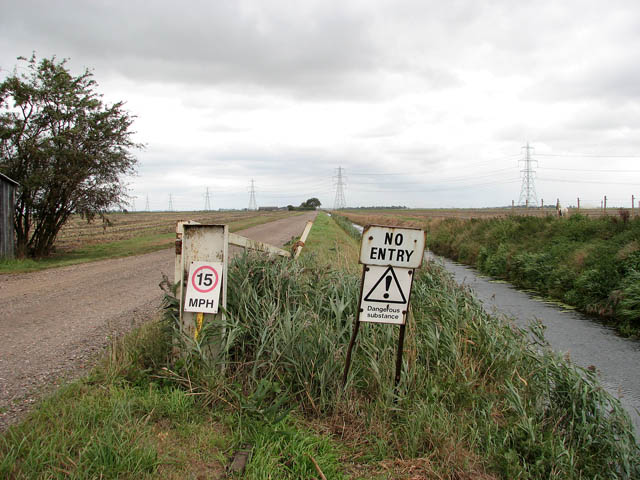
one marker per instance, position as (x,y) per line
(399,357)
(347,362)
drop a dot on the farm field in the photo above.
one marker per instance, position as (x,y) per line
(477,399)
(370,216)
(127,234)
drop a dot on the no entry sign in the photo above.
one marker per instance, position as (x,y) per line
(203,287)
(392,246)
(389,255)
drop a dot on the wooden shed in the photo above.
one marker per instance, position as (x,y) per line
(7,206)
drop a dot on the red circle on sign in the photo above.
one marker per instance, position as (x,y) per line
(193,279)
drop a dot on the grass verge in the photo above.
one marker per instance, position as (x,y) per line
(479,399)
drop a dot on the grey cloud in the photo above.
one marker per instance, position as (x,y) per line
(312,50)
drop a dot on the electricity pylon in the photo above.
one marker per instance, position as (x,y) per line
(528,196)
(207,201)
(339,201)
(252,197)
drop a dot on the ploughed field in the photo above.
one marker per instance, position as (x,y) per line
(123,226)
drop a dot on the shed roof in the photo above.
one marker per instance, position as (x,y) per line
(4,177)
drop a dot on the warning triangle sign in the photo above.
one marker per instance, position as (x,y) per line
(386,289)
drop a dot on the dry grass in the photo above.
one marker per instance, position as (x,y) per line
(416,217)
(123,226)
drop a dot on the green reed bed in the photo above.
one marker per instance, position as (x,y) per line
(477,397)
(590,263)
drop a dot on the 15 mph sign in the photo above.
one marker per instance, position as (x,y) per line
(203,287)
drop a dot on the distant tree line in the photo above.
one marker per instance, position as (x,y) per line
(310,204)
(392,207)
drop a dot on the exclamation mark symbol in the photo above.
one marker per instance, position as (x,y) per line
(387,282)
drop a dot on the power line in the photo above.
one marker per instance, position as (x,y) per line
(438,189)
(146,205)
(339,201)
(170,203)
(584,155)
(528,195)
(589,170)
(561,180)
(490,173)
(252,197)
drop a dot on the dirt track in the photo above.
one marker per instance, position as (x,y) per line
(53,323)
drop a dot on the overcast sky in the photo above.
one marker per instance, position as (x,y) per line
(422,103)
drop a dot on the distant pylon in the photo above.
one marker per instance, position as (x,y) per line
(146,205)
(133,204)
(252,196)
(528,197)
(170,203)
(207,201)
(339,201)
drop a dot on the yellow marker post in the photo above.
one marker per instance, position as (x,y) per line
(199,321)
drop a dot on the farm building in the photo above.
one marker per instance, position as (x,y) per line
(7,205)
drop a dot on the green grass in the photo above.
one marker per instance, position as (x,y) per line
(328,245)
(478,398)
(101,251)
(91,253)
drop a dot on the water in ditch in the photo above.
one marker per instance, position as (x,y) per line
(571,333)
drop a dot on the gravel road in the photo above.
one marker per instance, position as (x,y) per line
(55,323)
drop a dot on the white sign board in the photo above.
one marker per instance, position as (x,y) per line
(392,246)
(385,294)
(203,287)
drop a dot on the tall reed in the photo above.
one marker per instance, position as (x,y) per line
(478,396)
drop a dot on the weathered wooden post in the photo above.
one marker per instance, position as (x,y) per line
(7,207)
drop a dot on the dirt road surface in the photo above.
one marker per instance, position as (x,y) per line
(55,323)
